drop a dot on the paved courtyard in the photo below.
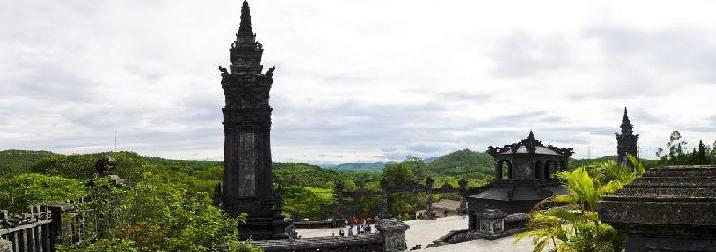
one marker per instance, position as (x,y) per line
(424,232)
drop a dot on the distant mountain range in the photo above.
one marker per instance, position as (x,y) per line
(366,165)
(356,166)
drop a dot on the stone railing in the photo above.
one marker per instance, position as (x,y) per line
(26,232)
(387,191)
(390,238)
(41,228)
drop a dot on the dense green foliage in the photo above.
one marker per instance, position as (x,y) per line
(165,205)
(20,191)
(20,161)
(570,223)
(358,166)
(676,152)
(306,189)
(160,215)
(129,165)
(465,163)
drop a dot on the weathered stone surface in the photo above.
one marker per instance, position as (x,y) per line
(5,246)
(626,141)
(248,179)
(367,243)
(530,167)
(669,208)
(393,231)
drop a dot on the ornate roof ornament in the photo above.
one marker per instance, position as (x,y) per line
(245,26)
(529,145)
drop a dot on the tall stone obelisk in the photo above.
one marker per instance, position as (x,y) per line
(248,181)
(626,141)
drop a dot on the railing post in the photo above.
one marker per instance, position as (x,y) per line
(464,193)
(429,210)
(393,232)
(56,225)
(384,194)
(338,192)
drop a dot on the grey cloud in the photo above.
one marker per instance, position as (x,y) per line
(686,56)
(522,55)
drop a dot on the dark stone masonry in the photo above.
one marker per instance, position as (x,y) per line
(248,181)
(671,208)
(524,176)
(626,141)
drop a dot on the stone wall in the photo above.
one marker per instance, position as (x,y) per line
(671,208)
(391,238)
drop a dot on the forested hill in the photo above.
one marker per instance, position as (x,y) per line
(464,163)
(358,166)
(19,161)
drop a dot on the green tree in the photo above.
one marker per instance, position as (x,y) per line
(465,163)
(570,223)
(156,215)
(23,190)
(701,155)
(399,174)
(130,165)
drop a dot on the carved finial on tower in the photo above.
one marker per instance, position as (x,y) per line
(531,136)
(245,26)
(626,124)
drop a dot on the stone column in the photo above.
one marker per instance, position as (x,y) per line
(429,211)
(338,192)
(59,226)
(393,231)
(248,179)
(384,213)
(463,193)
(498,170)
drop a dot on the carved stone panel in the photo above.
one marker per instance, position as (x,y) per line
(247,164)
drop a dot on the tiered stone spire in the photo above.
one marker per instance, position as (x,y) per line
(248,179)
(626,141)
(245,26)
(245,51)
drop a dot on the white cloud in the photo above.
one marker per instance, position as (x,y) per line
(357,80)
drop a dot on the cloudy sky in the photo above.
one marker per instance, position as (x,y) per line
(358,80)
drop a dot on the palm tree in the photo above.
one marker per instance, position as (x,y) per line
(567,223)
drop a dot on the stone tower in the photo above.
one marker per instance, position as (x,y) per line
(626,141)
(248,181)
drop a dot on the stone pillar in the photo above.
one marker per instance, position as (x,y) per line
(393,231)
(248,179)
(498,170)
(216,199)
(60,229)
(464,194)
(384,212)
(429,211)
(338,193)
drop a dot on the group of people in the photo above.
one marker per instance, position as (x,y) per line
(363,226)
